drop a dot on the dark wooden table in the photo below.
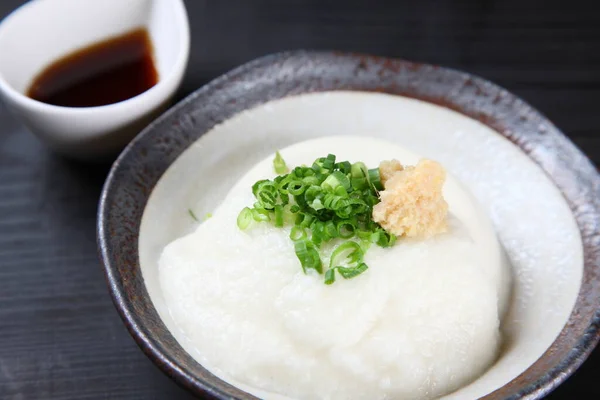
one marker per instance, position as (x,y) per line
(60,336)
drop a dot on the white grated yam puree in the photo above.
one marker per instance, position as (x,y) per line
(422,321)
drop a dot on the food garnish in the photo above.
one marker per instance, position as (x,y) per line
(348,202)
(192,215)
(329,200)
(279,164)
(412,204)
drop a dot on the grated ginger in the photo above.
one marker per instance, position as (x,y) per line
(388,168)
(412,204)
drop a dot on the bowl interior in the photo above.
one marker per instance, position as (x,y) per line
(552,323)
(40,32)
(547,272)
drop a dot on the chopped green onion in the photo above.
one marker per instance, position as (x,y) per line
(359,183)
(340,191)
(344,166)
(304,220)
(279,164)
(335,202)
(260,215)
(345,229)
(348,251)
(316,205)
(278,215)
(335,180)
(358,169)
(299,172)
(383,238)
(266,193)
(285,198)
(192,215)
(330,276)
(318,233)
(308,255)
(283,183)
(331,230)
(244,218)
(358,176)
(313,197)
(311,180)
(301,201)
(257,185)
(296,187)
(358,206)
(297,233)
(326,201)
(346,273)
(324,164)
(375,178)
(345,211)
(364,235)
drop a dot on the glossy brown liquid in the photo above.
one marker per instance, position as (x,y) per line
(103,73)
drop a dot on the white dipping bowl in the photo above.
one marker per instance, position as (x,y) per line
(43,31)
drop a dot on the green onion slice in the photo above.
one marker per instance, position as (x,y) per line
(375,178)
(244,218)
(260,215)
(257,185)
(318,233)
(282,184)
(335,180)
(278,215)
(346,273)
(308,255)
(330,276)
(344,166)
(347,253)
(296,187)
(345,228)
(191,212)
(331,230)
(279,164)
(297,233)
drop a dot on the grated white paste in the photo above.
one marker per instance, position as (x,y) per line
(422,321)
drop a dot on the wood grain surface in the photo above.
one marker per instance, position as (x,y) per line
(60,336)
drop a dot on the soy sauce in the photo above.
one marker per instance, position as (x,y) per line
(106,72)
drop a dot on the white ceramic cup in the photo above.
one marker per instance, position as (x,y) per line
(43,31)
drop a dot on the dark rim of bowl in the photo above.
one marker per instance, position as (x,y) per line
(147,157)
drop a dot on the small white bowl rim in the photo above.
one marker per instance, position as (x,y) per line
(131,103)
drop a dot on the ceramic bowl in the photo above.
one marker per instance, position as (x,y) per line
(42,31)
(540,191)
